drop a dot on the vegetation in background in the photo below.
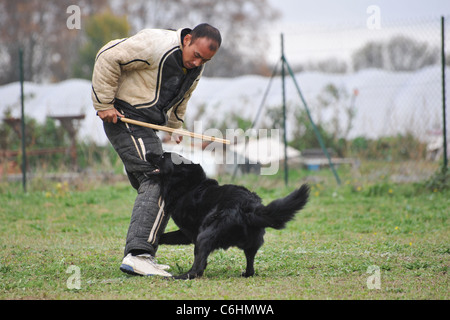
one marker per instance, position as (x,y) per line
(99,30)
(50,136)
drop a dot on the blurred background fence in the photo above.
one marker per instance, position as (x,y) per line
(375,91)
(374,88)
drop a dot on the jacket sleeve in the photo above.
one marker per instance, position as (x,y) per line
(114,58)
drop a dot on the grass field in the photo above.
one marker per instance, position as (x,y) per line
(356,241)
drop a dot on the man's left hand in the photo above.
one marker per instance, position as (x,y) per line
(177,138)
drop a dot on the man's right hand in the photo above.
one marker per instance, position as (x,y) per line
(109,115)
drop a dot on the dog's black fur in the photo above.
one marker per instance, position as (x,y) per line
(212,216)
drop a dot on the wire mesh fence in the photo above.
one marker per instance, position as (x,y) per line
(376,91)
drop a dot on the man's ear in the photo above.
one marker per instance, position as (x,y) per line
(187,40)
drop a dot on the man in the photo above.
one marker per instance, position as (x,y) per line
(148,77)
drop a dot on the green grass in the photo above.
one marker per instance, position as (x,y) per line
(325,253)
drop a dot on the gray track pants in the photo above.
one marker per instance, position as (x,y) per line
(148,219)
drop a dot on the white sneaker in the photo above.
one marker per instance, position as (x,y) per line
(143,264)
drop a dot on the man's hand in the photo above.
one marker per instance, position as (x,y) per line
(109,115)
(177,138)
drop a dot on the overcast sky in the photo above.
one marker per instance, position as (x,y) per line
(330,11)
(321,29)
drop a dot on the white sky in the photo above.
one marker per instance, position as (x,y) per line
(329,11)
(319,29)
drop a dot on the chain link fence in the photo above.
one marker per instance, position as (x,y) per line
(375,91)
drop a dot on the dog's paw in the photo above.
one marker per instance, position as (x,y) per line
(247,275)
(186,276)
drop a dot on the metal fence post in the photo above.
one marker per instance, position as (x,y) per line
(24,154)
(444,119)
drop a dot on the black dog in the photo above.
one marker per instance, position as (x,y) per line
(212,216)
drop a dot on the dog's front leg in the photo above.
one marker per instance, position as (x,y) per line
(201,252)
(250,257)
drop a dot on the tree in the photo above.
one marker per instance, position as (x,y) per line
(51,49)
(369,56)
(28,25)
(400,53)
(242,24)
(406,54)
(99,29)
(39,28)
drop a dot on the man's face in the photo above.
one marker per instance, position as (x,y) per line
(197,53)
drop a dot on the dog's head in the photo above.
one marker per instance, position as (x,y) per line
(162,162)
(176,166)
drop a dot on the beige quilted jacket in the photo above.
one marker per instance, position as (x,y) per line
(143,76)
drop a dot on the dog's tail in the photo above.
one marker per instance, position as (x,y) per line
(277,213)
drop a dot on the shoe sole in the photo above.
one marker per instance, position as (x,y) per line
(129,270)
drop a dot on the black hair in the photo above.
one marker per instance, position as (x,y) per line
(208,31)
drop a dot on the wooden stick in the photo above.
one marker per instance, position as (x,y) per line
(177,131)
